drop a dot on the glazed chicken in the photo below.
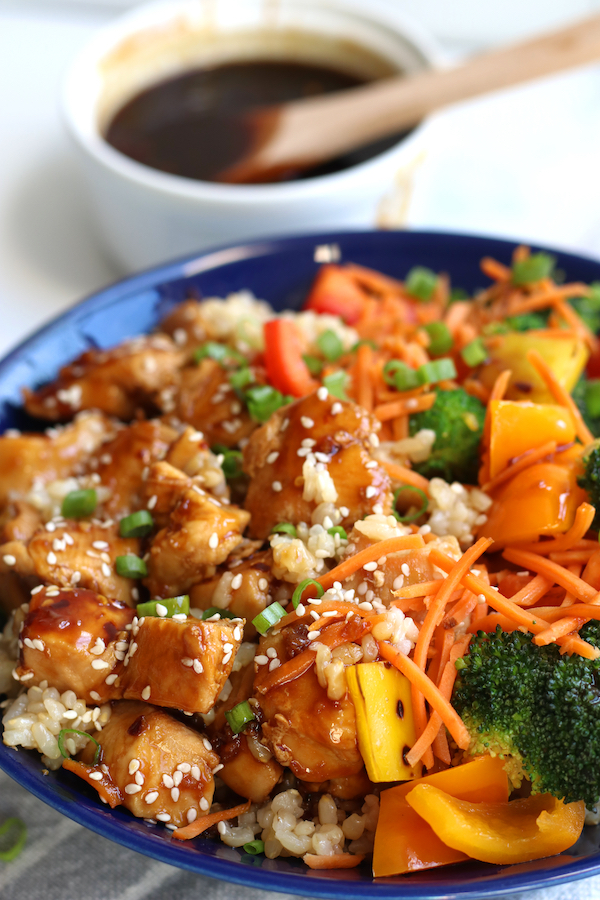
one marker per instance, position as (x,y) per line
(154,765)
(118,381)
(310,452)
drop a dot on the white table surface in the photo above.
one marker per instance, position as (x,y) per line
(523,164)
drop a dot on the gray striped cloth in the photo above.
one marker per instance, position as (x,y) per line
(64,861)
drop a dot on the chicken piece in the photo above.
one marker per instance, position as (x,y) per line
(37,459)
(191,453)
(311,452)
(79,553)
(343,788)
(182,665)
(206,400)
(153,765)
(186,326)
(75,640)
(244,589)
(306,730)
(14,591)
(200,535)
(165,486)
(19,521)
(122,463)
(118,381)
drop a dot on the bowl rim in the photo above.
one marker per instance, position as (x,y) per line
(93,145)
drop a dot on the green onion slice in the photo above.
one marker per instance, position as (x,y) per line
(220,353)
(534,268)
(337,529)
(79,504)
(420,497)
(592,397)
(436,370)
(13,850)
(285,528)
(440,339)
(131,566)
(421,283)
(330,345)
(474,353)
(60,740)
(370,343)
(239,716)
(336,383)
(254,848)
(138,524)
(397,374)
(314,364)
(213,610)
(241,378)
(173,606)
(231,462)
(458,294)
(268,617)
(309,582)
(263,400)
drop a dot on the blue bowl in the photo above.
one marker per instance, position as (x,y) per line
(279,271)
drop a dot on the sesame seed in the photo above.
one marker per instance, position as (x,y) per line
(398,582)
(274,664)
(99,647)
(370,566)
(99,664)
(9,559)
(37,589)
(152,502)
(226,657)
(95,696)
(307,422)
(161,610)
(277,486)
(217,768)
(272,456)
(146,692)
(284,424)
(312,636)
(50,526)
(96,776)
(100,545)
(308,443)
(237,634)
(370,492)
(371,464)
(197,666)
(175,794)
(75,577)
(373,440)
(207,744)
(132,788)
(196,772)
(204,804)
(263,584)
(261,660)
(271,652)
(191,815)
(133,766)
(300,610)
(110,679)
(51,558)
(323,393)
(222,828)
(163,817)
(184,767)
(405,569)
(151,796)
(236,582)
(336,409)
(213,541)
(139,778)
(106,570)
(168,781)
(186,661)
(365,606)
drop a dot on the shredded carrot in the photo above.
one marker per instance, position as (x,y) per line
(430,691)
(498,391)
(570,316)
(105,786)
(560,394)
(476,389)
(523,462)
(572,643)
(443,640)
(404,407)
(370,554)
(569,557)
(546,297)
(424,589)
(405,475)
(495,270)
(551,570)
(532,592)
(335,861)
(571,538)
(559,629)
(591,573)
(400,428)
(461,609)
(364,357)
(491,621)
(204,822)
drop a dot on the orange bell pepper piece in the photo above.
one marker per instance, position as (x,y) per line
(405,842)
(504,833)
(542,499)
(516,427)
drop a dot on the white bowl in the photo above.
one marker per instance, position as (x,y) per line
(146,216)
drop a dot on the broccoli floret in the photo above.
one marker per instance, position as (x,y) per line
(585,394)
(536,708)
(457,419)
(590,480)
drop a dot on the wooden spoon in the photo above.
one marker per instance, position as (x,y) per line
(296,136)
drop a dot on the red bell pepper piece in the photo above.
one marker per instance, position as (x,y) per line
(286,370)
(336,292)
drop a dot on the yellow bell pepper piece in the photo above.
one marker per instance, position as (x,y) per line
(518,426)
(542,499)
(504,833)
(404,842)
(384,720)
(566,355)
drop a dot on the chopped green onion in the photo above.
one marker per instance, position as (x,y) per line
(436,370)
(336,384)
(241,378)
(220,353)
(254,848)
(534,268)
(337,529)
(231,462)
(527,321)
(214,610)
(15,848)
(60,740)
(421,283)
(284,528)
(263,400)
(592,397)
(131,566)
(309,582)
(397,374)
(330,345)
(440,339)
(457,294)
(138,524)
(367,341)
(172,606)
(268,617)
(239,716)
(78,504)
(420,495)
(474,353)
(315,365)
